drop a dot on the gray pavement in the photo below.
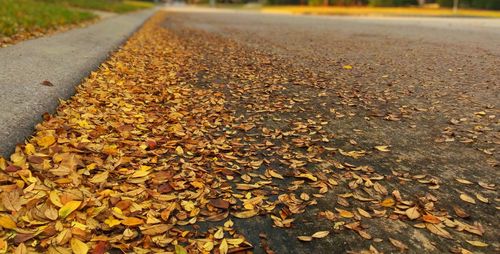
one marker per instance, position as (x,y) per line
(63,59)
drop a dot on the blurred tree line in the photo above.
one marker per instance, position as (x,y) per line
(477,4)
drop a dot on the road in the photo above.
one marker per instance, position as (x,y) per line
(229,132)
(427,87)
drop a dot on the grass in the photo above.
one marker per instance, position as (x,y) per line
(107,5)
(364,11)
(29,15)
(18,16)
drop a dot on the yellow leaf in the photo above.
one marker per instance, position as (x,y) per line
(388,202)
(100,178)
(179,151)
(412,213)
(3,246)
(111,221)
(308,176)
(179,249)
(344,213)
(467,198)
(477,243)
(54,198)
(320,234)
(46,141)
(132,221)
(78,247)
(219,234)
(7,222)
(143,171)
(464,181)
(29,149)
(235,241)
(364,213)
(382,148)
(347,67)
(68,208)
(275,174)
(482,198)
(223,248)
(245,214)
(304,238)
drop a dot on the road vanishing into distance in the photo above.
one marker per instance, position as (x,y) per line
(217,131)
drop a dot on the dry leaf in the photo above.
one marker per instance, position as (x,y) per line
(477,243)
(245,214)
(78,247)
(132,221)
(320,234)
(398,244)
(437,230)
(7,222)
(223,247)
(344,213)
(412,213)
(383,148)
(467,198)
(68,208)
(305,238)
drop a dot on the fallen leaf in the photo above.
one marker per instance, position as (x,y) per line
(431,219)
(477,243)
(47,83)
(305,238)
(132,221)
(467,198)
(7,222)
(344,213)
(412,213)
(223,247)
(398,244)
(383,148)
(68,208)
(245,214)
(78,247)
(437,230)
(388,202)
(320,234)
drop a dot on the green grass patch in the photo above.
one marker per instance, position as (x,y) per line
(28,15)
(117,6)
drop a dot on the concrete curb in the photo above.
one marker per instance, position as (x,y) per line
(64,60)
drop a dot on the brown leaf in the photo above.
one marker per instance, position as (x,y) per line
(220,203)
(460,212)
(412,213)
(398,244)
(47,83)
(320,234)
(437,230)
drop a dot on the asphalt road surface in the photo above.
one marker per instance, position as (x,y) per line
(428,88)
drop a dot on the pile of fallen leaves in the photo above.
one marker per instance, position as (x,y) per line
(143,157)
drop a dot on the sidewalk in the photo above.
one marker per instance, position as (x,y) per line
(63,60)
